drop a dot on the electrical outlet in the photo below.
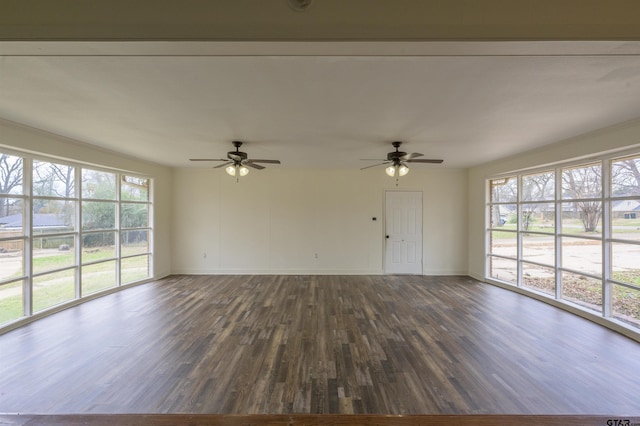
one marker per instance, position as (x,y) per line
(316,255)
(204,255)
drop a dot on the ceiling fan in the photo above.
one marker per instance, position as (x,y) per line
(237,162)
(397,161)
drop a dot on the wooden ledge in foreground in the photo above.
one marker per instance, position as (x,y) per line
(309,419)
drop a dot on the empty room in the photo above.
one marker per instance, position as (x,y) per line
(303,211)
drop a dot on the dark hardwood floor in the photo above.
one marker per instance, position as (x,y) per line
(318,344)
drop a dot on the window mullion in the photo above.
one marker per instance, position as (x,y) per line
(78,231)
(150,224)
(27,220)
(606,238)
(118,230)
(558,231)
(519,230)
(487,228)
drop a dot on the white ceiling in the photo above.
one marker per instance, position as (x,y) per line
(320,105)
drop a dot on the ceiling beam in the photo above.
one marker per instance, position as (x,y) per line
(324,20)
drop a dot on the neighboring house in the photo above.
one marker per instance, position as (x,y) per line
(41,221)
(507,213)
(627,209)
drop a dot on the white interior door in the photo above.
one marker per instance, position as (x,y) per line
(403,232)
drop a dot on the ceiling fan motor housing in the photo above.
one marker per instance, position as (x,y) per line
(237,155)
(395,155)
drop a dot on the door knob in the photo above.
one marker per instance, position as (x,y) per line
(387,236)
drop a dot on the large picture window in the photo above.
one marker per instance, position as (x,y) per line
(571,233)
(68,231)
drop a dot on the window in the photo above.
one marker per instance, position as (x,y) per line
(625,239)
(99,230)
(12,238)
(135,223)
(67,232)
(53,229)
(570,233)
(503,236)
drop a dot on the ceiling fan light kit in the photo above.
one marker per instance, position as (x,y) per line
(391,171)
(237,170)
(399,169)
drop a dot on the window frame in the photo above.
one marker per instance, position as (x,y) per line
(604,236)
(77,234)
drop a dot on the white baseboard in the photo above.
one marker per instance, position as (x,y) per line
(444,272)
(276,272)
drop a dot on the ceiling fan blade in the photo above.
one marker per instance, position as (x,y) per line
(223,165)
(255,166)
(425,160)
(374,165)
(208,159)
(410,156)
(371,159)
(263,161)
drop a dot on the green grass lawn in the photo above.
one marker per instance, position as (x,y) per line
(67,258)
(53,289)
(631,277)
(11,306)
(627,222)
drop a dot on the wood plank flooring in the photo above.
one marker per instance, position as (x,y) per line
(318,344)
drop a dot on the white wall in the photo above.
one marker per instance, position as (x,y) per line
(26,139)
(612,139)
(276,220)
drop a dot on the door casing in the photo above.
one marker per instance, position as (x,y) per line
(403,232)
